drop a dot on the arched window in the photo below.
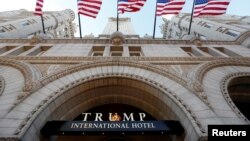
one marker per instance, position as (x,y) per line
(239,91)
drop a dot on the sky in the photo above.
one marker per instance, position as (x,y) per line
(142,21)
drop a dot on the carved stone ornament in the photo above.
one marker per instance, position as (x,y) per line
(197,41)
(35,40)
(117,38)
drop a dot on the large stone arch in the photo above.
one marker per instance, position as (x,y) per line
(172,93)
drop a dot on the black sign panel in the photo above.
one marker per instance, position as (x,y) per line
(111,127)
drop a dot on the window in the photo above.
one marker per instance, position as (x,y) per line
(2,30)
(10,27)
(226,51)
(209,51)
(238,90)
(6,48)
(203,37)
(57,15)
(33,21)
(20,50)
(232,33)
(39,51)
(200,23)
(97,50)
(24,23)
(207,25)
(135,51)
(191,51)
(116,51)
(187,19)
(221,29)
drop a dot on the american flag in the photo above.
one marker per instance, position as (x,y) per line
(38,9)
(210,7)
(169,7)
(130,5)
(89,8)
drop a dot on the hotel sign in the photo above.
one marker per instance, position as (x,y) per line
(112,123)
(114,116)
(112,127)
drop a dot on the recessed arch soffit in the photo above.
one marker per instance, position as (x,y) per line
(115,62)
(35,85)
(199,73)
(224,89)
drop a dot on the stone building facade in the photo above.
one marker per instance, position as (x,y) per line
(223,27)
(197,82)
(24,24)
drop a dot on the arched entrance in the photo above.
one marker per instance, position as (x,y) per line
(113,91)
(66,94)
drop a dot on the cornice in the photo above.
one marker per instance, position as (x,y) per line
(127,41)
(152,60)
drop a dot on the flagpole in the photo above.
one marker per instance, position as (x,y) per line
(155,20)
(117,18)
(80,29)
(43,24)
(79,21)
(191,19)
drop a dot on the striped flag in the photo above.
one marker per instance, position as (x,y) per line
(39,7)
(130,5)
(89,8)
(210,7)
(169,7)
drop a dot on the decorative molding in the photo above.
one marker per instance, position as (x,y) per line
(224,89)
(33,115)
(112,61)
(152,60)
(2,85)
(35,40)
(127,41)
(243,37)
(119,62)
(117,38)
(9,139)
